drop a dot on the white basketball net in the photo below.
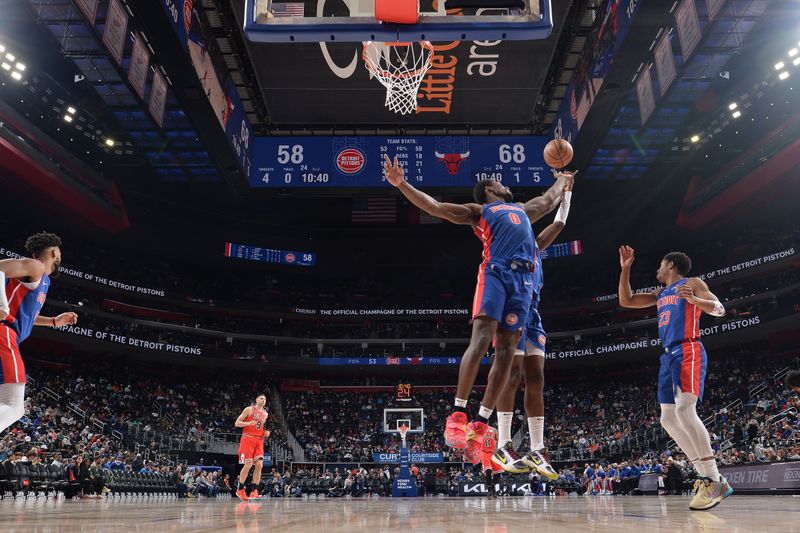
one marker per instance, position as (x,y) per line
(403,430)
(400,67)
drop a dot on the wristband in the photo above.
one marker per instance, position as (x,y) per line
(54,321)
(563,209)
(3,298)
(719,309)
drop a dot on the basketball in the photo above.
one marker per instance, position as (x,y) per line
(558,153)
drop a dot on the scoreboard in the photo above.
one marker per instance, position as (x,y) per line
(319,162)
(403,392)
(270,255)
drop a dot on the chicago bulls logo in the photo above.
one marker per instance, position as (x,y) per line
(452,161)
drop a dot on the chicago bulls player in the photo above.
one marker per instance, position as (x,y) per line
(24,282)
(251,448)
(683,363)
(504,290)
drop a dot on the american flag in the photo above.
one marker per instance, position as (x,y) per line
(288,9)
(378,209)
(563,249)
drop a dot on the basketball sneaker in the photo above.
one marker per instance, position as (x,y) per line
(455,432)
(242,495)
(708,494)
(254,495)
(535,460)
(475,435)
(509,460)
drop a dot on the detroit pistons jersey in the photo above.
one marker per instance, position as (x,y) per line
(25,301)
(506,233)
(678,319)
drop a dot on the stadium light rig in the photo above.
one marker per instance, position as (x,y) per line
(783,75)
(733,106)
(695,138)
(736,114)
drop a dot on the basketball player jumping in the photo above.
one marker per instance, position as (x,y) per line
(683,363)
(529,365)
(25,282)
(505,283)
(251,448)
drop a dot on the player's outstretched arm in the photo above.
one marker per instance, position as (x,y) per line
(626,296)
(240,423)
(546,237)
(696,291)
(64,319)
(468,214)
(538,207)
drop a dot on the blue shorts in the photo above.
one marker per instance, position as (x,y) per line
(683,367)
(534,333)
(503,294)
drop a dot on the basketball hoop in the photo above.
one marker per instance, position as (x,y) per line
(403,430)
(400,67)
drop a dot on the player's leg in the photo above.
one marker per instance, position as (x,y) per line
(533,369)
(12,404)
(258,464)
(669,418)
(505,403)
(688,390)
(483,329)
(246,457)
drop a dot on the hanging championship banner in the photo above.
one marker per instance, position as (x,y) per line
(644,90)
(158,98)
(665,62)
(89,9)
(714,7)
(116,30)
(688,24)
(140,61)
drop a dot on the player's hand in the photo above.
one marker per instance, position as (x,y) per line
(3,314)
(266,434)
(394,172)
(625,256)
(66,319)
(687,293)
(568,176)
(252,423)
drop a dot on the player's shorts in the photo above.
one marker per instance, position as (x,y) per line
(683,367)
(251,449)
(12,369)
(504,294)
(534,333)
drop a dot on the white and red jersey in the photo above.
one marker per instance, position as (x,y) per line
(258,430)
(25,300)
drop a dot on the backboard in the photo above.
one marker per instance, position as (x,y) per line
(354,21)
(393,418)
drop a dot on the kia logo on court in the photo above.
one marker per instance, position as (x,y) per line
(350,161)
(290,258)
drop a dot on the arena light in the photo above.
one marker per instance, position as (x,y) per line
(783,75)
(110,143)
(796,61)
(695,138)
(71,110)
(5,66)
(793,52)
(20,67)
(10,57)
(2,48)
(16,75)
(733,106)
(67,118)
(736,114)
(779,65)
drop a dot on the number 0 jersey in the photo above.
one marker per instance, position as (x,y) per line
(506,233)
(260,416)
(678,320)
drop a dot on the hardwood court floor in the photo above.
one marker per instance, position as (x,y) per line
(435,515)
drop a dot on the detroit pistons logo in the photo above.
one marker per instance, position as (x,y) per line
(188,6)
(290,258)
(542,340)
(350,161)
(511,319)
(41,298)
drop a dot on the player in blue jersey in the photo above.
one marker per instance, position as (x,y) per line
(504,289)
(25,282)
(683,363)
(529,366)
